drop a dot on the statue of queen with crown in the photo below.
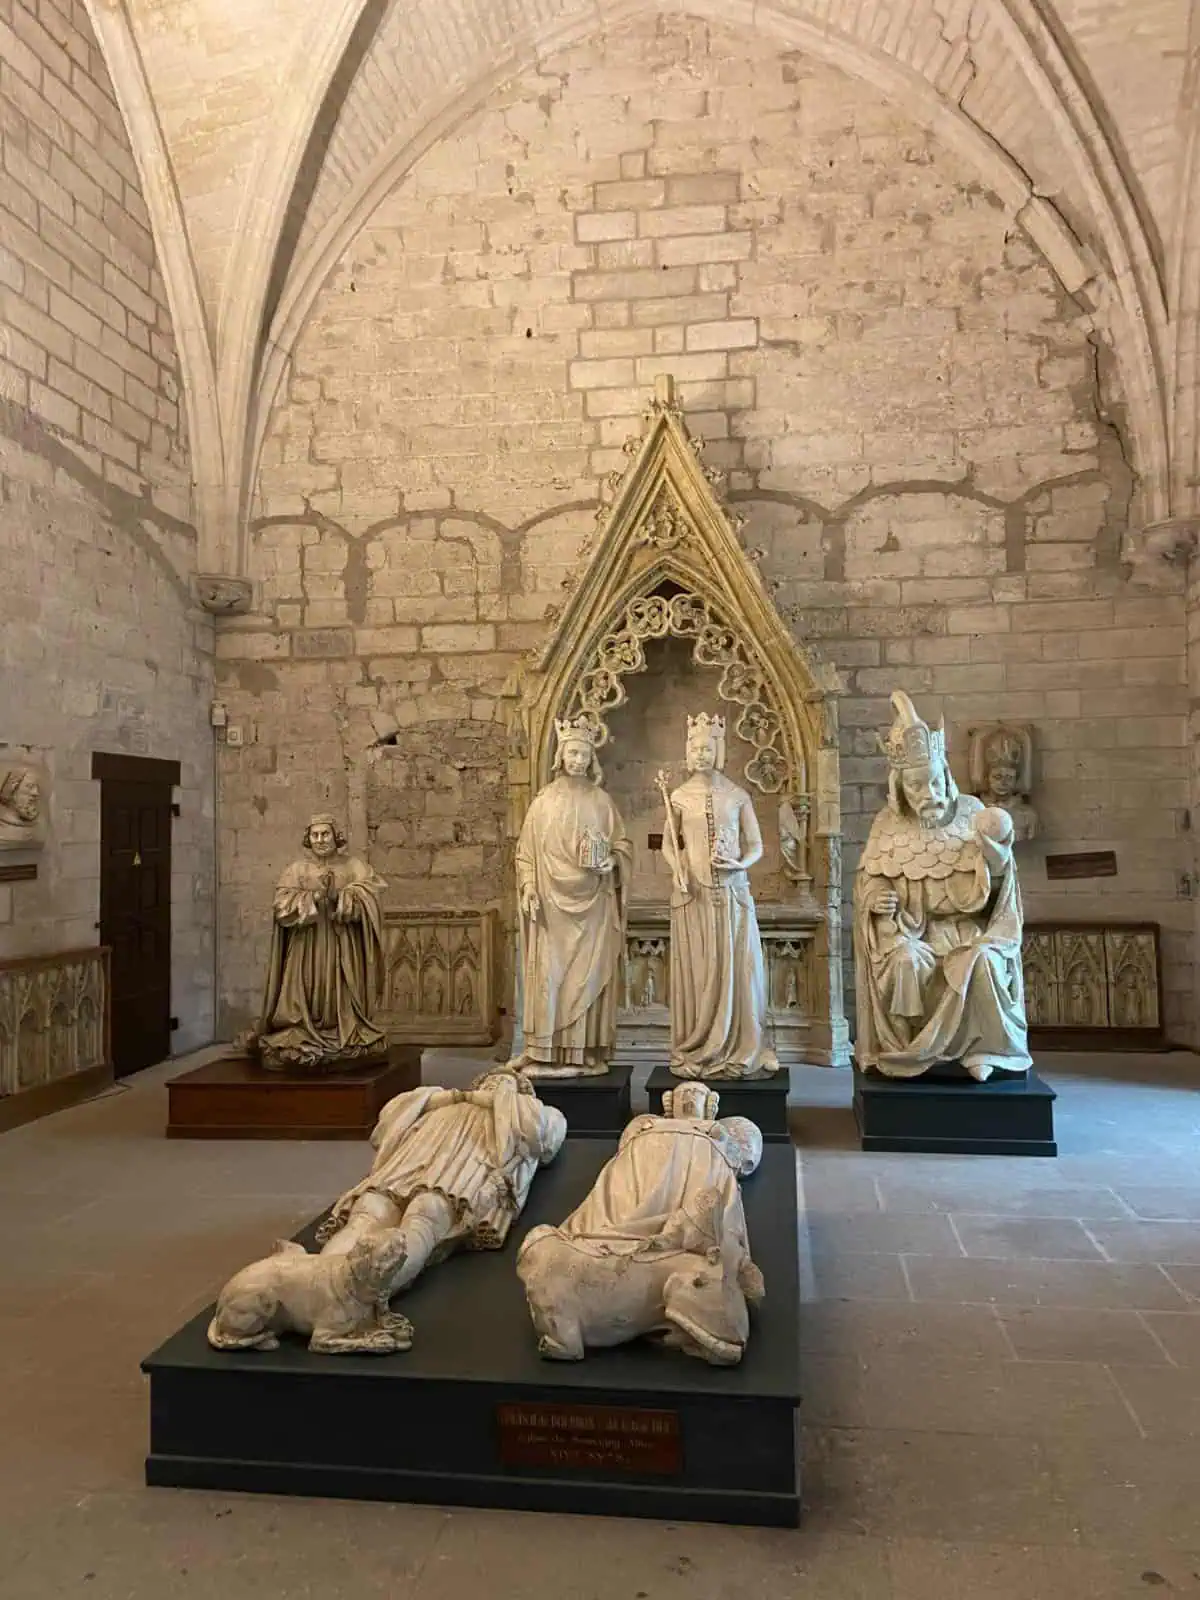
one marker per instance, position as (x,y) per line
(718,977)
(573,860)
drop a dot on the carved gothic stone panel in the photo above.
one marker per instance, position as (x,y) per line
(1132,960)
(1040,959)
(1083,992)
(53,1018)
(440,986)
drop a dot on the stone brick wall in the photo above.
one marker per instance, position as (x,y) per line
(921,427)
(100,648)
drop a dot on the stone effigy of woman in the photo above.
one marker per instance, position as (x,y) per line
(326,970)
(659,1245)
(718,977)
(572,869)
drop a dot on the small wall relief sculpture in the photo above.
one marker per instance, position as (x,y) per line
(325,978)
(22,803)
(573,860)
(452,1171)
(937,921)
(1000,762)
(659,1246)
(718,976)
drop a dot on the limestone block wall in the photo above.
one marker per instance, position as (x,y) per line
(921,427)
(100,648)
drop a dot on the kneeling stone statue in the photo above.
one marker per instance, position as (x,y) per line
(659,1246)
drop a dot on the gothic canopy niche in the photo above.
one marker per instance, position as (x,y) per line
(666,561)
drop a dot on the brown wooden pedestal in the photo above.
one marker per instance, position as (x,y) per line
(234,1098)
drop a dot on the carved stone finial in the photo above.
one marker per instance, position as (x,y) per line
(222,595)
(664,389)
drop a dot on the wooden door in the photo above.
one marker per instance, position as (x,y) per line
(135,909)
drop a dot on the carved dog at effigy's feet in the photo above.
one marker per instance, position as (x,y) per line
(339,1301)
(688,1284)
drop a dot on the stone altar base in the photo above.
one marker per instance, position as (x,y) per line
(763,1100)
(1005,1116)
(595,1107)
(235,1098)
(473,1416)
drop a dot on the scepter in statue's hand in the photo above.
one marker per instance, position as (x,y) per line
(671,848)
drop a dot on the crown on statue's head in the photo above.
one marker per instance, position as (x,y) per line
(579,728)
(705,726)
(910,742)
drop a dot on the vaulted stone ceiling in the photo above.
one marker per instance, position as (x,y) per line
(268,130)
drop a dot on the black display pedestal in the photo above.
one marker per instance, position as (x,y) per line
(1005,1116)
(596,1107)
(473,1416)
(763,1100)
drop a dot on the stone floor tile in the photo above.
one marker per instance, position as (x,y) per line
(1102,1284)
(929,1329)
(172,1545)
(1179,1334)
(878,1233)
(1127,1493)
(924,1569)
(1165,1400)
(1168,1242)
(962,1396)
(859,1277)
(1019,1199)
(950,1486)
(1187,1280)
(512,1557)
(1162,1204)
(1024,1238)
(1064,1333)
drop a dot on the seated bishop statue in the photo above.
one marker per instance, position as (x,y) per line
(937,921)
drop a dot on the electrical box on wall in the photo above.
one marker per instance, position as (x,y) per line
(234,736)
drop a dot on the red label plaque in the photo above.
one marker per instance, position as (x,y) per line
(590,1438)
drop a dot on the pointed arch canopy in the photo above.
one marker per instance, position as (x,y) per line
(667,561)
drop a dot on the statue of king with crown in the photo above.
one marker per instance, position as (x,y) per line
(718,976)
(937,921)
(573,861)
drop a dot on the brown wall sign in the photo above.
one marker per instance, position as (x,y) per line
(1083,864)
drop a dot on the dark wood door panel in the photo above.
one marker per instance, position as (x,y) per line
(135,916)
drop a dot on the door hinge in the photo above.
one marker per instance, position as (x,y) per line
(174,1023)
(176,809)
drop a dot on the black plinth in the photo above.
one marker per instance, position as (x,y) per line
(763,1100)
(636,1431)
(1005,1116)
(597,1107)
